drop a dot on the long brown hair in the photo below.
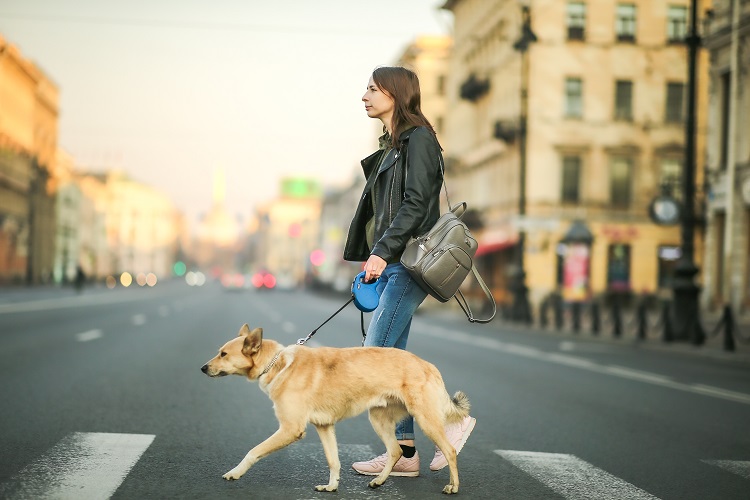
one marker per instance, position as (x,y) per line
(402,85)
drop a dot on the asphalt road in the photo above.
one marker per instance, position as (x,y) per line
(101,396)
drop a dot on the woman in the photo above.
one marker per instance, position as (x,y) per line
(401,199)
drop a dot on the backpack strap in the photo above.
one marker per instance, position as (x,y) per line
(465,305)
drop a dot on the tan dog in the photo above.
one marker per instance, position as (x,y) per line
(324,385)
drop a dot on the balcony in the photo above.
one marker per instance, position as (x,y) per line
(473,88)
(506,130)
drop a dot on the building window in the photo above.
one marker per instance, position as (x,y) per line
(725,83)
(441,85)
(576,20)
(620,182)
(667,257)
(670,174)
(675,103)
(623,100)
(573,98)
(618,267)
(625,22)
(676,23)
(571,175)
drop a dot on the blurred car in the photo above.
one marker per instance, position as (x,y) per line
(263,280)
(233,281)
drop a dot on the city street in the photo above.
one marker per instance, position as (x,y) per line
(102,396)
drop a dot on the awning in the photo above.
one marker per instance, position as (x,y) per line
(494,240)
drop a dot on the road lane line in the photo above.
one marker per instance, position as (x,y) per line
(84,465)
(573,478)
(581,363)
(63,302)
(139,319)
(739,467)
(721,393)
(89,335)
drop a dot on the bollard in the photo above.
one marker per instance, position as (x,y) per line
(595,318)
(642,320)
(728,321)
(666,322)
(558,313)
(576,317)
(543,312)
(616,318)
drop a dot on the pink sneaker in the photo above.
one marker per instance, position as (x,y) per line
(457,435)
(407,467)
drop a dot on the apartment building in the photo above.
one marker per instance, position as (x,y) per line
(727,263)
(141,225)
(596,90)
(29,108)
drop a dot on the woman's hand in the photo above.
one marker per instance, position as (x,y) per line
(374,268)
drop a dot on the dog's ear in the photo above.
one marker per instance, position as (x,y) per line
(244,330)
(253,341)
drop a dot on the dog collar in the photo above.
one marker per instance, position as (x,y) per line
(269,365)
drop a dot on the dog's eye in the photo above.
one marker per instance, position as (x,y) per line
(223,354)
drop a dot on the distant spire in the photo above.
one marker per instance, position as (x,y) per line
(219,189)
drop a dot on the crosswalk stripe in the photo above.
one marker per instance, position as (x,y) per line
(572,477)
(82,466)
(739,467)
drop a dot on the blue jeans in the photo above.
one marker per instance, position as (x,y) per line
(400,296)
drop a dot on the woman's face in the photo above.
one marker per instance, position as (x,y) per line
(378,104)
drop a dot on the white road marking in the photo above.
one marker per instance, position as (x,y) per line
(739,467)
(63,302)
(573,478)
(581,363)
(89,335)
(82,466)
(139,319)
(721,393)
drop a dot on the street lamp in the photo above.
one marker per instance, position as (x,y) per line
(686,315)
(521,311)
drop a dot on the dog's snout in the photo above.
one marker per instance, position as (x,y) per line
(204,368)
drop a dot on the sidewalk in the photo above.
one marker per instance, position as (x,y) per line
(713,347)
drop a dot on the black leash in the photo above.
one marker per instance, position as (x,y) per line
(361,324)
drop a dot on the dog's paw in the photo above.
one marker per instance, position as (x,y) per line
(326,487)
(232,475)
(375,483)
(450,489)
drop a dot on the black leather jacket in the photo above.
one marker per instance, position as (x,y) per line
(407,197)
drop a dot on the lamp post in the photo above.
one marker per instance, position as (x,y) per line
(521,311)
(686,315)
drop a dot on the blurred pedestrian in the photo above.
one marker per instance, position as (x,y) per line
(401,199)
(80,279)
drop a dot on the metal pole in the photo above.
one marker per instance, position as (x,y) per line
(686,315)
(521,310)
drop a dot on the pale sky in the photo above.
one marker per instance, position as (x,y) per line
(171,90)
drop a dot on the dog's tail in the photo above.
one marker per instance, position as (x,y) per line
(459,408)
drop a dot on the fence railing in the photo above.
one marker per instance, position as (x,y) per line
(645,317)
